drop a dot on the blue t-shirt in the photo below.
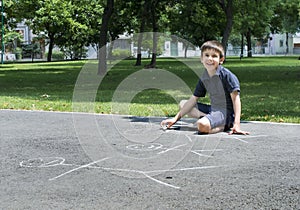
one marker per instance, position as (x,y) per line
(219,87)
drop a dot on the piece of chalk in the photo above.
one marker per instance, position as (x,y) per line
(165,127)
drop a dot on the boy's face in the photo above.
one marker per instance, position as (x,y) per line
(211,59)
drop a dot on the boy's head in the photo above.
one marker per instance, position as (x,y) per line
(213,45)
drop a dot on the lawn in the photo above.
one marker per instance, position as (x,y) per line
(270,87)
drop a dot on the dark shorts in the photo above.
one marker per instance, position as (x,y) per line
(216,118)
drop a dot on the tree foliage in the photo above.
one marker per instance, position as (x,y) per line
(253,19)
(72,25)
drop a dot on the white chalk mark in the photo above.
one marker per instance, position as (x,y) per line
(140,172)
(42,162)
(80,167)
(160,182)
(52,163)
(241,140)
(172,148)
(121,169)
(145,147)
(208,150)
(250,136)
(182,169)
(145,173)
(244,136)
(197,153)
(189,138)
(158,170)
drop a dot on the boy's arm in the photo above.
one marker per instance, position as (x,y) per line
(187,107)
(236,101)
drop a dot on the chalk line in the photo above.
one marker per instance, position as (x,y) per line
(90,165)
(32,164)
(80,167)
(201,154)
(182,169)
(146,173)
(140,172)
(172,148)
(241,140)
(208,150)
(160,182)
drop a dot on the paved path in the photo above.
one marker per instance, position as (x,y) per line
(84,161)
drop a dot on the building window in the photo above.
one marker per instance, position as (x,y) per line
(281,43)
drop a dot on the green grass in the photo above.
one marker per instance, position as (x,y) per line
(270,87)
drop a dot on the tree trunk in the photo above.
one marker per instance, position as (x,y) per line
(140,38)
(155,34)
(154,51)
(242,47)
(139,51)
(228,9)
(139,47)
(249,45)
(110,49)
(51,45)
(185,50)
(108,10)
(287,42)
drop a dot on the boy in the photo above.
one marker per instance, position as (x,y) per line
(223,87)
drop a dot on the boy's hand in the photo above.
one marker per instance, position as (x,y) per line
(168,122)
(236,130)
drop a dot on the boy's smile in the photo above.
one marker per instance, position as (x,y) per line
(211,59)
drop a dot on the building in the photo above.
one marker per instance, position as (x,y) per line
(25,31)
(277,44)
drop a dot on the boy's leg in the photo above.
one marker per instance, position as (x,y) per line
(204,124)
(211,123)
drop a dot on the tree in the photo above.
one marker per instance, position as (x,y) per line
(286,18)
(151,17)
(12,40)
(195,21)
(108,11)
(123,21)
(142,15)
(253,19)
(50,17)
(64,22)
(154,19)
(227,7)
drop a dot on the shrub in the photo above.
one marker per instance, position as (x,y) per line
(121,53)
(57,55)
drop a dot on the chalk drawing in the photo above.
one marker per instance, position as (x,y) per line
(145,147)
(43,162)
(200,154)
(80,167)
(241,138)
(172,148)
(60,161)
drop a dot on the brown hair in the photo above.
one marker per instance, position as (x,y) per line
(214,45)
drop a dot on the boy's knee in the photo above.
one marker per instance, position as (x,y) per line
(203,125)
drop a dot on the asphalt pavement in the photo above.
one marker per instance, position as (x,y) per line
(53,160)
